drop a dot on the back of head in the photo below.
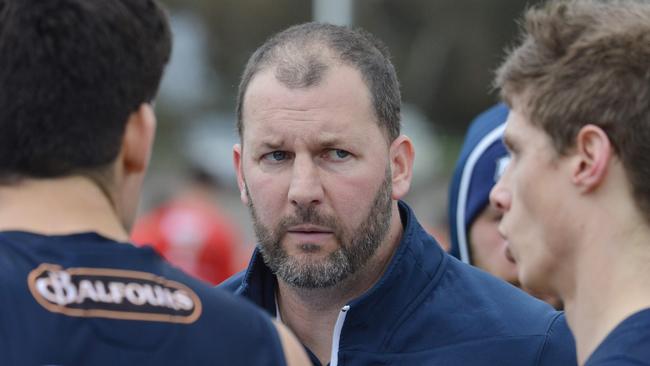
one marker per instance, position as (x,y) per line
(71,72)
(586,62)
(481,161)
(300,56)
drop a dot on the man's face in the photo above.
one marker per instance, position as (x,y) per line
(313,169)
(489,248)
(534,196)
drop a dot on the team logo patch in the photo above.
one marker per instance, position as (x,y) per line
(113,293)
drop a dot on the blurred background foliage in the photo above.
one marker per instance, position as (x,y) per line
(445,53)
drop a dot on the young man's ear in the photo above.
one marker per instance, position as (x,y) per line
(593,152)
(132,161)
(138,139)
(402,156)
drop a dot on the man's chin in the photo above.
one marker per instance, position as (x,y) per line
(307,258)
(539,289)
(312,273)
(309,249)
(515,282)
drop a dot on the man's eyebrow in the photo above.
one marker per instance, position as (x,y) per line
(329,141)
(270,144)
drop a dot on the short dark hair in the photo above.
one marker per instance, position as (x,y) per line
(587,62)
(302,53)
(71,73)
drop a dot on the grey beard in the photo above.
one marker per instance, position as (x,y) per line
(352,255)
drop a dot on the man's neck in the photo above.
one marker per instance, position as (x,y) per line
(611,284)
(312,313)
(59,206)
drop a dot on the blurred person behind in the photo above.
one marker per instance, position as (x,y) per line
(77,81)
(575,196)
(473,221)
(191,231)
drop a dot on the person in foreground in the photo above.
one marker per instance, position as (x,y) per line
(341,260)
(76,81)
(575,197)
(473,221)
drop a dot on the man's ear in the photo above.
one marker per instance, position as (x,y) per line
(593,153)
(237,157)
(402,156)
(138,139)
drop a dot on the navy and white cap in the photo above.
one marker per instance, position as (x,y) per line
(482,160)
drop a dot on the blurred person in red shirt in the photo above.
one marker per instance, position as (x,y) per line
(191,232)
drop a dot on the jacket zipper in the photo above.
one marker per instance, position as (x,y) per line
(336,336)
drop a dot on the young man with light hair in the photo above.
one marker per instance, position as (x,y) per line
(575,197)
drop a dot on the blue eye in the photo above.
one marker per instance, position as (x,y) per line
(337,154)
(276,156)
(342,154)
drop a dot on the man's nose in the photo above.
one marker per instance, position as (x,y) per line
(306,187)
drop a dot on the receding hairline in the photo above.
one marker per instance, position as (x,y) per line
(329,44)
(339,76)
(331,63)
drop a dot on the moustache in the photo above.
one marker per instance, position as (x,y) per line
(308,216)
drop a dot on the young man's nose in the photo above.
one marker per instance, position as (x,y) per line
(500,197)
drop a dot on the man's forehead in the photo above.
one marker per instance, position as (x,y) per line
(259,89)
(345,80)
(521,133)
(338,103)
(515,121)
(515,126)
(507,132)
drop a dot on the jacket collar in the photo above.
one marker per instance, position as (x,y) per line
(414,270)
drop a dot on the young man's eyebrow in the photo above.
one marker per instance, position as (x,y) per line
(508,142)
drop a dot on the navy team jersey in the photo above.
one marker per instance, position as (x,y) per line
(83,299)
(627,345)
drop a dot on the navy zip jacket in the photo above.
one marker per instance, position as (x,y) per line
(428,308)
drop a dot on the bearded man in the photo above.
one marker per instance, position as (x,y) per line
(341,260)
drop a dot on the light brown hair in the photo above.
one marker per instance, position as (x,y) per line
(587,62)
